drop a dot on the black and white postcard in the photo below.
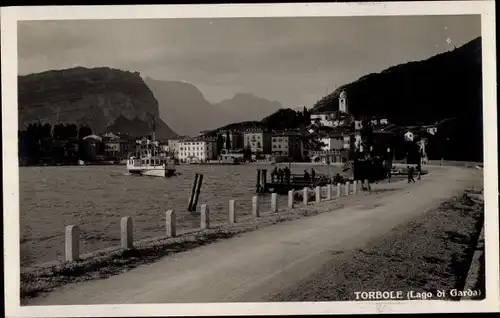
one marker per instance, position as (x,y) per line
(250,159)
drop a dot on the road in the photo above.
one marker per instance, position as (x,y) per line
(258,265)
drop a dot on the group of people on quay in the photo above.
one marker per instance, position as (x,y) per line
(280,175)
(372,170)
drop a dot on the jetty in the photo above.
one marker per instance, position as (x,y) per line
(281,185)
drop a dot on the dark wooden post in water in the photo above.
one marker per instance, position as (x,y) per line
(258,181)
(197,192)
(193,191)
(264,180)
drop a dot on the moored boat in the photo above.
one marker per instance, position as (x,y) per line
(149,160)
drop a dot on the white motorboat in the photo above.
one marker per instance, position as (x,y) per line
(149,160)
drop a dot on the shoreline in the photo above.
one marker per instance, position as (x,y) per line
(431,163)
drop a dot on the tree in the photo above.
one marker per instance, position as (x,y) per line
(71,131)
(84,131)
(367,140)
(58,132)
(228,141)
(307,116)
(220,144)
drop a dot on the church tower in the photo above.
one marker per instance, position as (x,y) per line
(343,102)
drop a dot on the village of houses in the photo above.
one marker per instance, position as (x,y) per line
(337,133)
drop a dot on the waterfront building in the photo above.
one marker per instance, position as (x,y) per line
(232,157)
(173,145)
(164,147)
(118,146)
(258,139)
(197,150)
(235,139)
(287,144)
(94,147)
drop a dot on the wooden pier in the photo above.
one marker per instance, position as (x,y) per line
(282,185)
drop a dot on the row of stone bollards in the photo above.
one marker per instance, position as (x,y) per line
(72,235)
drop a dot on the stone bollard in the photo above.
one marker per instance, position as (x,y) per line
(274,202)
(255,206)
(305,196)
(232,215)
(354,186)
(346,188)
(339,190)
(329,191)
(290,199)
(72,242)
(205,217)
(318,194)
(127,232)
(170,223)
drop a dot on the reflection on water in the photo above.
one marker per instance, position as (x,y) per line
(96,197)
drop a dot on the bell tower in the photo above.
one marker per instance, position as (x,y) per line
(343,102)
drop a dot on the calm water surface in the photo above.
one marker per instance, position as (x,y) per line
(96,197)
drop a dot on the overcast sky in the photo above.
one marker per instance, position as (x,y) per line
(292,60)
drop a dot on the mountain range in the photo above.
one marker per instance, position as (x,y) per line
(185,109)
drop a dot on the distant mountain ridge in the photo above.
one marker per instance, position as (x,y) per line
(103,98)
(442,86)
(184,107)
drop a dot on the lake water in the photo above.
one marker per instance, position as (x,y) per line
(96,197)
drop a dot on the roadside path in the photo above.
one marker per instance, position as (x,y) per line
(258,265)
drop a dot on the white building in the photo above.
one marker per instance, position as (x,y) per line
(333,142)
(326,119)
(173,147)
(354,140)
(431,130)
(343,107)
(197,150)
(329,118)
(409,136)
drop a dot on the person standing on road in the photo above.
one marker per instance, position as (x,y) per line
(419,171)
(410,175)
(274,174)
(306,176)
(287,174)
(313,174)
(280,175)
